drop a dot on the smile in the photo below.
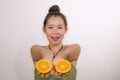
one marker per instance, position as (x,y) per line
(55,38)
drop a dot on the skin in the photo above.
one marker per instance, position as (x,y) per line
(55,30)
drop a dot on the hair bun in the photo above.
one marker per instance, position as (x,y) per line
(54,9)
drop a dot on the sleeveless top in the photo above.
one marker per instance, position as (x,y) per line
(71,75)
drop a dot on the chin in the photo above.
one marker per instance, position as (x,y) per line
(56,43)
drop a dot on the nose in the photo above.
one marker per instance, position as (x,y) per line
(55,31)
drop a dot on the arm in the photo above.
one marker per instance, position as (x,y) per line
(40,52)
(73,53)
(35,53)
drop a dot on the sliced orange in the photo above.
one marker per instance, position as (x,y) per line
(63,66)
(43,66)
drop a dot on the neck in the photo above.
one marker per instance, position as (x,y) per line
(56,48)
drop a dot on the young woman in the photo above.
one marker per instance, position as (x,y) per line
(55,27)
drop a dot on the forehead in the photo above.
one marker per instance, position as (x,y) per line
(55,20)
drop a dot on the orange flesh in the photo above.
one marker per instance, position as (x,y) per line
(43,66)
(63,66)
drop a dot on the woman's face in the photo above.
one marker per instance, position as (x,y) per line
(55,30)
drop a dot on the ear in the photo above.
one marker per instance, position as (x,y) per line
(66,29)
(44,29)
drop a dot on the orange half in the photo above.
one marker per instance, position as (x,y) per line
(63,66)
(43,66)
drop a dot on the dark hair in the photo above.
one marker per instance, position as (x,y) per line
(55,11)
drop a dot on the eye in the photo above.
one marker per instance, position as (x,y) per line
(50,27)
(60,27)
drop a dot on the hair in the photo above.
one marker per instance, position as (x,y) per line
(55,11)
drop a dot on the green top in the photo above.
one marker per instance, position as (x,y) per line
(71,75)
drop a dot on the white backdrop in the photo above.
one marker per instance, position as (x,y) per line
(94,24)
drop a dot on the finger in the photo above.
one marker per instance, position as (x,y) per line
(59,73)
(42,75)
(46,75)
(38,73)
(56,73)
(52,72)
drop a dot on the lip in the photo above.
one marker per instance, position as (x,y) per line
(55,38)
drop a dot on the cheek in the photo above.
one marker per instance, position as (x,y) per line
(62,32)
(48,33)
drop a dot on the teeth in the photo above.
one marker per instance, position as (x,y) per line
(55,37)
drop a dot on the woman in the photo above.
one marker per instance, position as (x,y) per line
(55,27)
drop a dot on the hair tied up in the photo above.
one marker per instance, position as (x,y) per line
(54,9)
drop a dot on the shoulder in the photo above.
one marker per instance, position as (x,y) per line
(73,51)
(37,47)
(74,46)
(37,52)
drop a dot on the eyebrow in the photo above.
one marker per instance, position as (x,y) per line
(50,25)
(59,25)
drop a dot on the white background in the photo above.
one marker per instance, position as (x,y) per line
(94,24)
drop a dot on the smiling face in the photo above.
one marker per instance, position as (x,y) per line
(55,30)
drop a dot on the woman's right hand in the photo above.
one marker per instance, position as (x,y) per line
(47,55)
(44,74)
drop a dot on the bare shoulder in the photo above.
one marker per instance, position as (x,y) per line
(34,47)
(38,47)
(73,51)
(74,46)
(36,52)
